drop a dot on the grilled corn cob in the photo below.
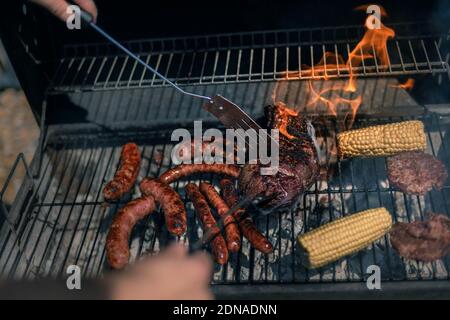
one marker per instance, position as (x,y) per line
(383,140)
(344,236)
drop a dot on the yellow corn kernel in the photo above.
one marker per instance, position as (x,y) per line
(382,140)
(343,237)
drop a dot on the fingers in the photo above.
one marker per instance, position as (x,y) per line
(193,293)
(197,268)
(88,6)
(199,265)
(173,274)
(59,7)
(177,250)
(203,263)
(200,295)
(56,7)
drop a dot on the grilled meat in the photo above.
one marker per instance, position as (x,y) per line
(422,240)
(218,244)
(246,224)
(171,203)
(185,170)
(126,175)
(233,236)
(117,247)
(416,172)
(298,162)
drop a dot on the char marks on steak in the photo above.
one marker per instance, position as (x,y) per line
(422,240)
(298,162)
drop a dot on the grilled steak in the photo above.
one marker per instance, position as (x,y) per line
(416,172)
(298,163)
(425,241)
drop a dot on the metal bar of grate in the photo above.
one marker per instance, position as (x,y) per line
(235,60)
(68,222)
(235,40)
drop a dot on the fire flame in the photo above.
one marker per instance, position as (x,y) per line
(320,71)
(373,45)
(335,103)
(408,85)
(285,113)
(340,98)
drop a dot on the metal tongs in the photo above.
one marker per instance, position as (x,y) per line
(228,113)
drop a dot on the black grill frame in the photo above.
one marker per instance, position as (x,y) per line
(95,136)
(82,146)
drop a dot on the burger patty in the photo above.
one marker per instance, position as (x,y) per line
(422,240)
(416,172)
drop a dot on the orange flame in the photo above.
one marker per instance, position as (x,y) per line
(408,85)
(320,70)
(373,45)
(285,113)
(336,103)
(340,98)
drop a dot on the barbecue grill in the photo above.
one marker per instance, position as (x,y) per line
(90,99)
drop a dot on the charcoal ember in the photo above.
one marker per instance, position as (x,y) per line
(422,240)
(298,162)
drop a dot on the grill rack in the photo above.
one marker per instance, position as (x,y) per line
(65,223)
(247,57)
(78,153)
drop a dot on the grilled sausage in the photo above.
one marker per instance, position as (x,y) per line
(246,224)
(171,203)
(191,147)
(184,170)
(218,244)
(125,177)
(117,247)
(232,233)
(217,150)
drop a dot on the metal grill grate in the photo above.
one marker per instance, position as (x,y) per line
(247,57)
(64,221)
(156,107)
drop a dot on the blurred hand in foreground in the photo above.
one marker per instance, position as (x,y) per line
(59,7)
(172,275)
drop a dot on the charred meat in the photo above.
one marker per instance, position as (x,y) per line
(298,162)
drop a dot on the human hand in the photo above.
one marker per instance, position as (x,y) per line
(59,7)
(172,275)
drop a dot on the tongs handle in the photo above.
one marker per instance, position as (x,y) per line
(88,19)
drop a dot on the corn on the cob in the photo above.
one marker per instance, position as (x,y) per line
(382,140)
(344,236)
